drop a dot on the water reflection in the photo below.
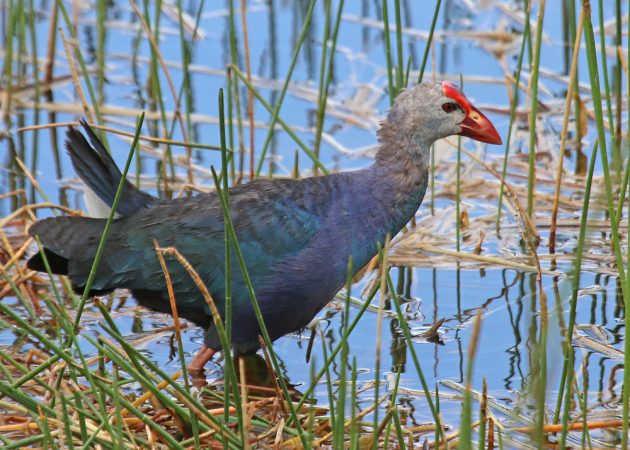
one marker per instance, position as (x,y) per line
(508,355)
(508,300)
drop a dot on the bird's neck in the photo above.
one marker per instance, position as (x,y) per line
(400,175)
(399,146)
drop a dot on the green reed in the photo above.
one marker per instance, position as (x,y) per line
(458,186)
(7,68)
(305,148)
(101,245)
(130,366)
(252,295)
(84,71)
(227,253)
(36,83)
(156,95)
(613,216)
(533,107)
(383,255)
(616,163)
(101,18)
(466,424)
(427,48)
(388,53)
(591,54)
(339,430)
(326,74)
(626,373)
(400,68)
(185,89)
(566,379)
(235,97)
(276,110)
(321,105)
(407,333)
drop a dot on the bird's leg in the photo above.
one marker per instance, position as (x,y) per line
(201,358)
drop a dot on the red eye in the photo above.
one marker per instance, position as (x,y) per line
(449,107)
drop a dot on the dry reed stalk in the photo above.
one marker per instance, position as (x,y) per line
(147,395)
(25,290)
(420,428)
(557,427)
(347,423)
(169,288)
(172,251)
(474,341)
(379,317)
(26,426)
(178,161)
(483,404)
(490,439)
(60,426)
(530,234)
(141,137)
(27,173)
(179,397)
(51,43)
(5,104)
(544,312)
(7,289)
(447,445)
(490,260)
(563,134)
(30,208)
(451,437)
(75,75)
(212,411)
(623,60)
(16,193)
(28,90)
(73,108)
(528,224)
(15,255)
(273,430)
(276,441)
(276,386)
(255,387)
(244,410)
(160,252)
(21,271)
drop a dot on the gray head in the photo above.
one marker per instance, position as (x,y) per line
(430,111)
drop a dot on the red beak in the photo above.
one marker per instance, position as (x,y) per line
(475,125)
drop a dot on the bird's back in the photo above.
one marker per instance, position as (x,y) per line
(295,236)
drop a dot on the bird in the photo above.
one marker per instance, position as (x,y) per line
(296,235)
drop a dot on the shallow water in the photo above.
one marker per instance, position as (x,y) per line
(508,300)
(504,357)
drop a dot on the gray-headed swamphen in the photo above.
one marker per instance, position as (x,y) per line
(296,235)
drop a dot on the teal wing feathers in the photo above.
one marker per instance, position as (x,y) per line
(273,223)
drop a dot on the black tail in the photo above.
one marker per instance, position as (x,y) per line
(65,239)
(99,172)
(57,263)
(69,244)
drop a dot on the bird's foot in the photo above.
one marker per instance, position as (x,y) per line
(201,358)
